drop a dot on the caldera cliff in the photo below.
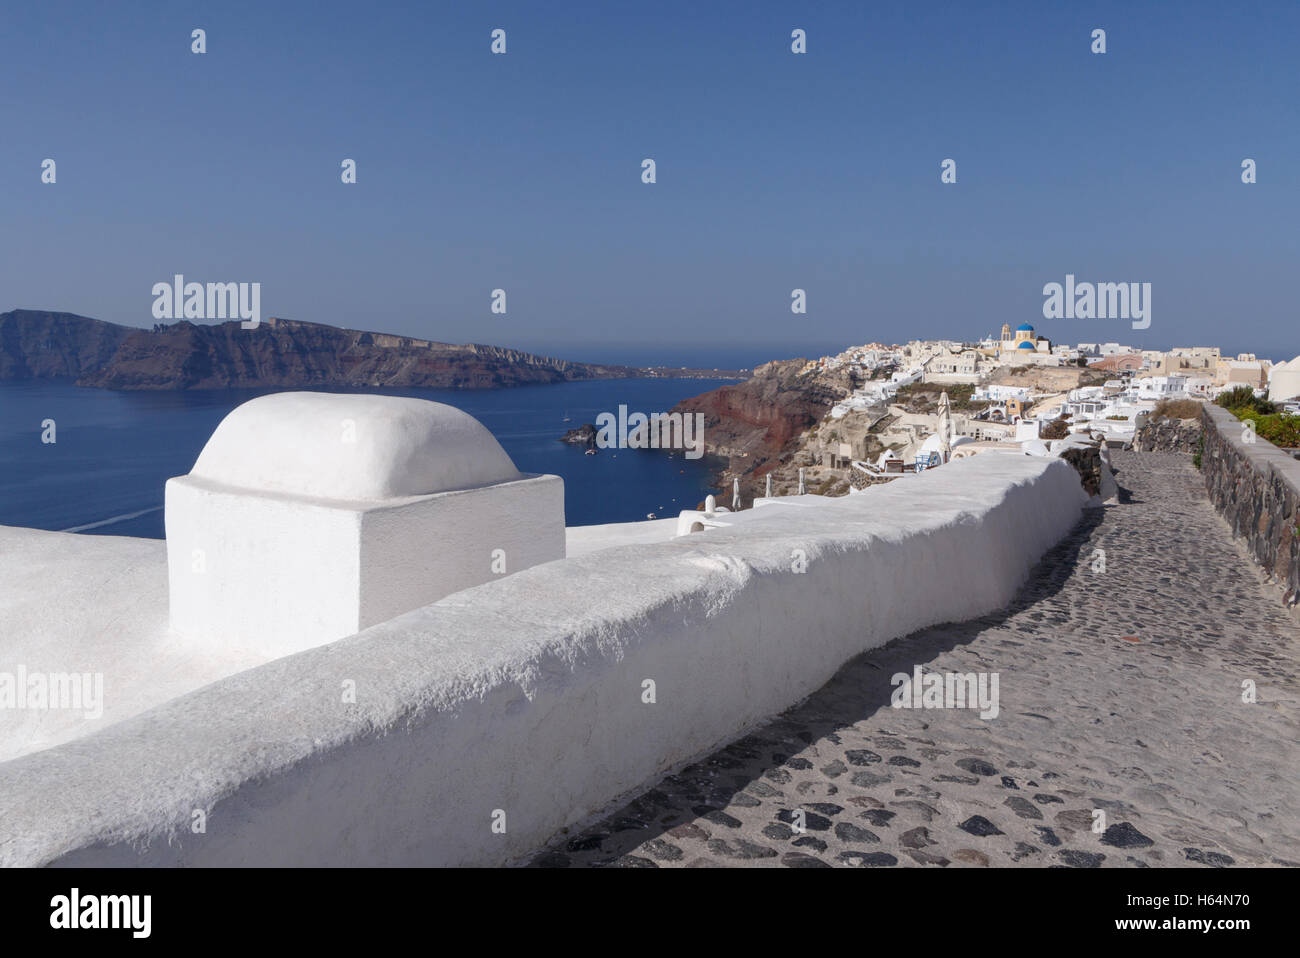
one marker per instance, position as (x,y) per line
(757,425)
(37,344)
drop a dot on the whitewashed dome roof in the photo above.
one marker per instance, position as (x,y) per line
(343,446)
(931,444)
(934,443)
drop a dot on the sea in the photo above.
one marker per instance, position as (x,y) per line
(112,451)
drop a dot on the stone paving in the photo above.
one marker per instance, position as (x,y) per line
(1121,692)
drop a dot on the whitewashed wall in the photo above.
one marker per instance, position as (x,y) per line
(524,695)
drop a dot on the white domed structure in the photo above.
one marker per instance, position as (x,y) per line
(338,446)
(311,516)
(934,443)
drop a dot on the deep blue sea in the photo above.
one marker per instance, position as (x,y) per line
(114,450)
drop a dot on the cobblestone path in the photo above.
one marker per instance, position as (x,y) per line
(1121,692)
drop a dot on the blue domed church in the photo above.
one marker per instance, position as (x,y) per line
(1024,345)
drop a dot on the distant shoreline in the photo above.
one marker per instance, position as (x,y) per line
(279,353)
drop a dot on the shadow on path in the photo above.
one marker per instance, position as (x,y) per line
(858,691)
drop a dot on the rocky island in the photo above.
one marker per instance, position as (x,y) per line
(584,435)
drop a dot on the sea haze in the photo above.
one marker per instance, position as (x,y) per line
(115,450)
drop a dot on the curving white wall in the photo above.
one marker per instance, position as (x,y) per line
(524,694)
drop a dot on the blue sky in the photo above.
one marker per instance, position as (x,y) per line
(775,171)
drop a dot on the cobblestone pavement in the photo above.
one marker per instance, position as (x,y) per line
(1121,692)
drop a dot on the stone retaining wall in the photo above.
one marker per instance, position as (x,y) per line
(1256,487)
(1168,435)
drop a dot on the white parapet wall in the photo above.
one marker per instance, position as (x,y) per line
(311,516)
(520,703)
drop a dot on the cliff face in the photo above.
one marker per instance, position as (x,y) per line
(35,344)
(293,354)
(277,353)
(756,422)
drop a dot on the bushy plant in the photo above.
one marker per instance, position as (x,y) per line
(1278,428)
(1243,397)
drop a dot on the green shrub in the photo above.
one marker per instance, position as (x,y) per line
(1243,397)
(1278,428)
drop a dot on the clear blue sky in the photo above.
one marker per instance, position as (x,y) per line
(775,171)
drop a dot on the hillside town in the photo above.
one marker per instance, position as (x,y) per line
(889,410)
